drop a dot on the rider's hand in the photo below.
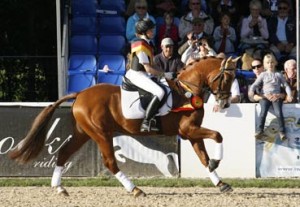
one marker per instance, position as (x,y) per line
(170,75)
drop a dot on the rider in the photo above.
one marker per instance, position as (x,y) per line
(141,71)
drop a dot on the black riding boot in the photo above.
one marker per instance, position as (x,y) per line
(149,122)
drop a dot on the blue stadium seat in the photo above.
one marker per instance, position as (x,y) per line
(82,72)
(116,7)
(82,63)
(111,44)
(114,25)
(116,63)
(79,82)
(84,8)
(84,25)
(83,44)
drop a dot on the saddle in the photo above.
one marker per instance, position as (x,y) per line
(135,100)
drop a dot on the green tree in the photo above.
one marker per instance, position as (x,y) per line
(28,68)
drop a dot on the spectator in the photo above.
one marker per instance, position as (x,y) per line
(202,49)
(168,60)
(193,37)
(269,8)
(282,30)
(186,25)
(290,74)
(224,36)
(228,6)
(257,68)
(254,29)
(270,82)
(141,7)
(168,29)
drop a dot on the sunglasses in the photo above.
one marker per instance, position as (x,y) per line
(195,3)
(282,8)
(141,7)
(256,66)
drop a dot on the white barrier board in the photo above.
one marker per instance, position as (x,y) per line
(237,126)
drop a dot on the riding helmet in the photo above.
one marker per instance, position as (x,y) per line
(142,26)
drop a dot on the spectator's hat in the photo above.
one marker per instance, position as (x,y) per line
(167,41)
(197,20)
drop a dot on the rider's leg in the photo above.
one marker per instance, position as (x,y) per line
(149,123)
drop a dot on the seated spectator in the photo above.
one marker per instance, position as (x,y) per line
(184,6)
(186,25)
(282,30)
(269,8)
(230,7)
(168,60)
(193,37)
(168,29)
(254,29)
(164,6)
(202,49)
(290,74)
(224,36)
(141,7)
(258,68)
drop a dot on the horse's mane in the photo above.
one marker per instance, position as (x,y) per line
(200,60)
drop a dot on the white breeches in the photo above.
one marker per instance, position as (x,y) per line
(142,80)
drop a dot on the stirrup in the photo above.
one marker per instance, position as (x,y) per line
(148,126)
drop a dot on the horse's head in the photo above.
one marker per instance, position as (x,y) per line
(220,81)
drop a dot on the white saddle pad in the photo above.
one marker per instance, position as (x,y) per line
(132,108)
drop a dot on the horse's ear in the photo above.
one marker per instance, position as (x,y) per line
(223,63)
(236,59)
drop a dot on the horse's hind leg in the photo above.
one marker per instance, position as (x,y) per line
(105,144)
(77,141)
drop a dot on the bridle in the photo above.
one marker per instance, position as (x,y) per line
(219,92)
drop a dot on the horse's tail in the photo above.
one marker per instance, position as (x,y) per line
(30,147)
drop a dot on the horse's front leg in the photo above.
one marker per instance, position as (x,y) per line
(196,135)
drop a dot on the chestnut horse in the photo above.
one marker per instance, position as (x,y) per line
(97,115)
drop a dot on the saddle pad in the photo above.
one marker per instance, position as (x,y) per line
(132,108)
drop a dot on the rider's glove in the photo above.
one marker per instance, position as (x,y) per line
(170,75)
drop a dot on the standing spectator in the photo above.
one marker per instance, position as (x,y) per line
(270,82)
(186,25)
(254,29)
(168,29)
(282,30)
(290,74)
(140,7)
(224,36)
(168,60)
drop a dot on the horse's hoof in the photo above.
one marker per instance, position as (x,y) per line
(138,192)
(213,164)
(225,188)
(62,191)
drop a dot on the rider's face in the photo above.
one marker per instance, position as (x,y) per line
(150,33)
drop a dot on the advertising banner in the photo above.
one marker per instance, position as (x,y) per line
(14,124)
(276,158)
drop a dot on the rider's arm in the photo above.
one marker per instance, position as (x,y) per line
(144,60)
